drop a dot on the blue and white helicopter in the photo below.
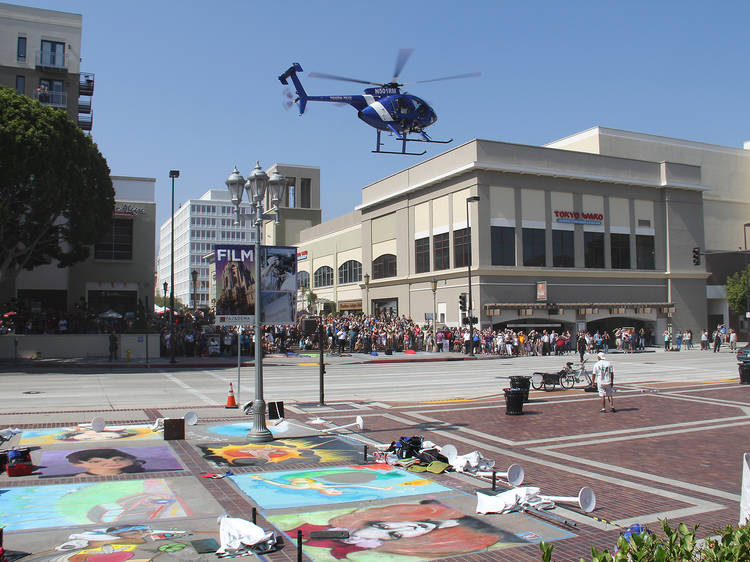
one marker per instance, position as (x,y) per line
(384,107)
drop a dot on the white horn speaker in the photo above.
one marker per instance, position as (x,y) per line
(586,499)
(358,421)
(514,475)
(98,424)
(191,418)
(450,452)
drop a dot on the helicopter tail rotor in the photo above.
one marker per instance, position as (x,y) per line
(288,99)
(291,73)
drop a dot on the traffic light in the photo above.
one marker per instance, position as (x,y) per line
(462,302)
(696,256)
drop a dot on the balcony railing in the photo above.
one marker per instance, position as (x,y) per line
(85,122)
(51,61)
(86,85)
(84,105)
(53,99)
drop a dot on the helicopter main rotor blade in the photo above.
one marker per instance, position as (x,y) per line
(341,78)
(467,75)
(401,58)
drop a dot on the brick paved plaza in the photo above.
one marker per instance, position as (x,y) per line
(673,450)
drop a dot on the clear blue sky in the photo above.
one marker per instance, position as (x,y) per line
(193,85)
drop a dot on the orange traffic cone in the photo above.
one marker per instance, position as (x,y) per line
(231,403)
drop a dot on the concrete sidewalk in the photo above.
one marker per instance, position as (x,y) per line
(274,359)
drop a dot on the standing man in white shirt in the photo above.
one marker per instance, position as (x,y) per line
(604,374)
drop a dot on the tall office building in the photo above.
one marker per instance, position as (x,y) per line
(40,57)
(200,224)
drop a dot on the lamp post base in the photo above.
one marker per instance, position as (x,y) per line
(259,433)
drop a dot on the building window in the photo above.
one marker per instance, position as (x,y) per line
(422,255)
(53,54)
(21,49)
(20,85)
(303,280)
(350,272)
(384,266)
(533,247)
(441,251)
(620,250)
(462,247)
(563,254)
(323,276)
(289,198)
(117,244)
(305,194)
(644,251)
(503,242)
(593,249)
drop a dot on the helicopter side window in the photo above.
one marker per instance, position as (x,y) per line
(421,109)
(404,106)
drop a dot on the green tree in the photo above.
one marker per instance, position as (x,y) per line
(736,288)
(309,298)
(159,300)
(56,196)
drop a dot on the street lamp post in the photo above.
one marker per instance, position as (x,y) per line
(165,286)
(366,278)
(747,281)
(470,306)
(433,286)
(256,185)
(172,174)
(194,275)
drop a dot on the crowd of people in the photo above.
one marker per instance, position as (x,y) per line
(363,333)
(196,335)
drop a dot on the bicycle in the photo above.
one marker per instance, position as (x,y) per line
(566,377)
(575,374)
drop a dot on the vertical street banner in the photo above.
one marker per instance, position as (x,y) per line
(235,285)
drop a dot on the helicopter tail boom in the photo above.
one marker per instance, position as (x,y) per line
(292,74)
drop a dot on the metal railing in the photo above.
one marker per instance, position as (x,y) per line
(84,105)
(85,122)
(53,99)
(86,84)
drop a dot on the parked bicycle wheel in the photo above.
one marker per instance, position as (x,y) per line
(537,381)
(567,381)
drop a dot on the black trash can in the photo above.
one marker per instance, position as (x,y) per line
(744,369)
(524,383)
(513,401)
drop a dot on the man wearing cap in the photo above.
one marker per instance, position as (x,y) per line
(604,374)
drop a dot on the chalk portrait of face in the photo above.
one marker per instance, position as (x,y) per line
(105,462)
(91,435)
(428,529)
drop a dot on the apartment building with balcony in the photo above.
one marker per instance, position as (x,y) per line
(40,57)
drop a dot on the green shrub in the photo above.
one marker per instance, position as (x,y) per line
(677,545)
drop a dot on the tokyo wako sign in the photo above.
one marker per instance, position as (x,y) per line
(576,217)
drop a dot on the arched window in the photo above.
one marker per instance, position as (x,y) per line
(303,280)
(350,272)
(384,266)
(323,276)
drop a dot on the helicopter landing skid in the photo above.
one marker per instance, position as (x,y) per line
(403,147)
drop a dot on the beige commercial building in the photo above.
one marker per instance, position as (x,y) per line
(604,228)
(119,271)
